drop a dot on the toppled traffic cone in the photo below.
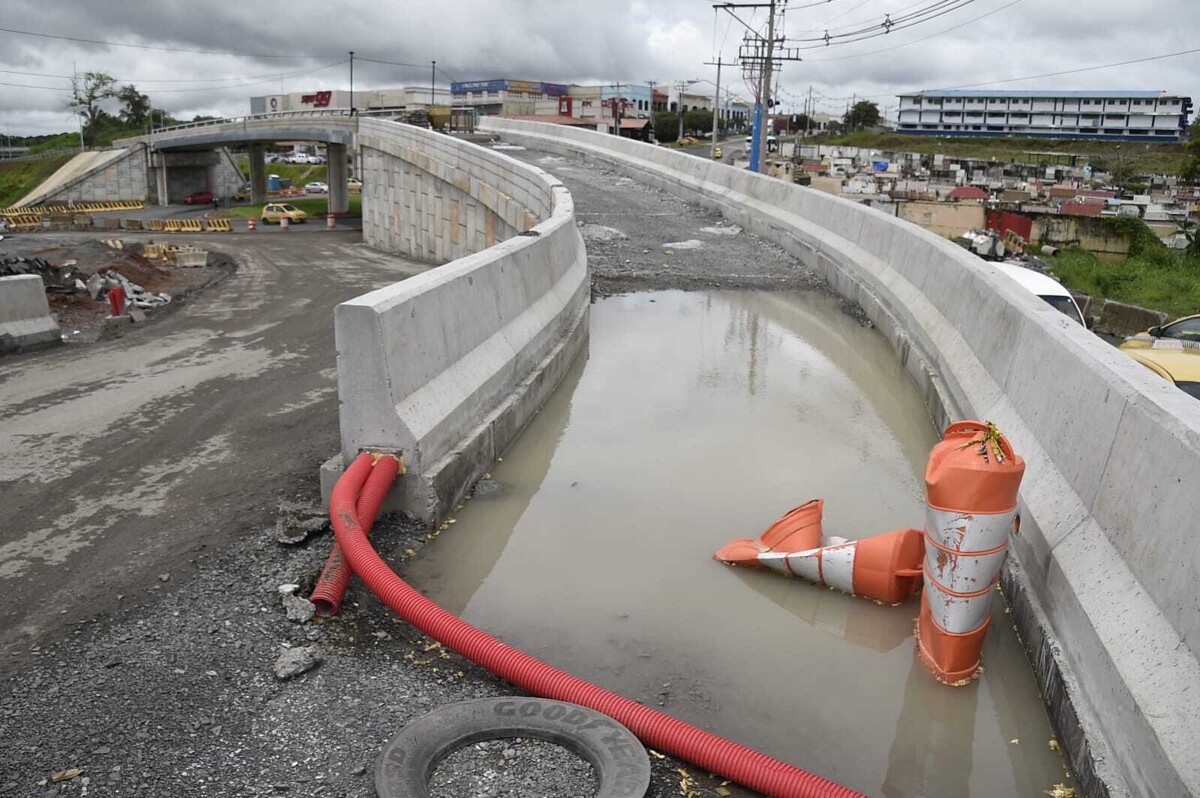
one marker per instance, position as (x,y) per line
(884,568)
(971,503)
(799,529)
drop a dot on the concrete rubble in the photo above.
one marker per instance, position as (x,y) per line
(297,521)
(293,662)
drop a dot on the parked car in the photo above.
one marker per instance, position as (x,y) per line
(316,187)
(296,158)
(315,159)
(354,182)
(1178,366)
(274,212)
(1184,329)
(242,194)
(1171,351)
(1045,288)
(199,198)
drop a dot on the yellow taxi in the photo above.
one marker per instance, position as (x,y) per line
(274,212)
(717,153)
(1171,351)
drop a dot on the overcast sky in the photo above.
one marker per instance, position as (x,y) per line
(569,41)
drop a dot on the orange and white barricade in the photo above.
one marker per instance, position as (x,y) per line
(884,568)
(971,484)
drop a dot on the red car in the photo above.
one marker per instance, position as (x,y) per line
(199,198)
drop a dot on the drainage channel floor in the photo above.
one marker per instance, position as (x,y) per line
(693,418)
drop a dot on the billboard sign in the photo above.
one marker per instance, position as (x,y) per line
(319,99)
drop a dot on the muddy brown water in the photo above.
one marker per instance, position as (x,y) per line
(694,418)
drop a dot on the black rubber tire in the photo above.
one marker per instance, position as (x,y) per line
(409,759)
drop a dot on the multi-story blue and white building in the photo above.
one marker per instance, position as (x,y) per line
(1123,115)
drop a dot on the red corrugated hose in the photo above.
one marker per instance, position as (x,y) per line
(335,576)
(661,732)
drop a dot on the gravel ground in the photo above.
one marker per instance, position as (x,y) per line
(640,238)
(513,769)
(182,697)
(176,691)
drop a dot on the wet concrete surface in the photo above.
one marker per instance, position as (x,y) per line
(120,455)
(702,416)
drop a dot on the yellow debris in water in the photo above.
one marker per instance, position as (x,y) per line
(1053,744)
(1061,791)
(1015,741)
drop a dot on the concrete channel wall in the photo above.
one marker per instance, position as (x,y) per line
(448,367)
(25,320)
(1103,580)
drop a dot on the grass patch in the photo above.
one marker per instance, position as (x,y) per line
(313,206)
(18,178)
(1143,158)
(1152,277)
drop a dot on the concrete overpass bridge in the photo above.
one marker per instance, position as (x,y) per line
(199,144)
(447,368)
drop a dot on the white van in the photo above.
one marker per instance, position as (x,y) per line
(1046,288)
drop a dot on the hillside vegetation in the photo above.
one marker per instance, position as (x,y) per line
(18,178)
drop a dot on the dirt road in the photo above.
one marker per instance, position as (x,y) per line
(119,456)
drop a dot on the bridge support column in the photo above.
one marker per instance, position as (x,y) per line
(258,173)
(160,181)
(339,195)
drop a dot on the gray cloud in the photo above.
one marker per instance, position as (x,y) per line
(568,40)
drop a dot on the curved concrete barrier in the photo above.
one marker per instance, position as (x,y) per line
(448,367)
(1104,578)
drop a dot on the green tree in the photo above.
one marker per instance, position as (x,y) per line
(87,92)
(864,114)
(135,106)
(666,126)
(697,120)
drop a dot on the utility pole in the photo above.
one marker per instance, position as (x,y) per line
(716,105)
(616,109)
(432,82)
(808,113)
(680,87)
(764,99)
(761,53)
(351,83)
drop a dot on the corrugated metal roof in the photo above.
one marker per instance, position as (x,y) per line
(1114,94)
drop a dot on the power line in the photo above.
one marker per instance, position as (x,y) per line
(1093,68)
(269,79)
(918,41)
(890,26)
(890,21)
(27,86)
(1074,71)
(153,47)
(242,79)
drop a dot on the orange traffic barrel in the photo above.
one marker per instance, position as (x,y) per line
(250,225)
(971,482)
(884,568)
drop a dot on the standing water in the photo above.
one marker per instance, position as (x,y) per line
(693,419)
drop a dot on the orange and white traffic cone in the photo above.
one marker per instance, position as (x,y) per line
(884,568)
(971,486)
